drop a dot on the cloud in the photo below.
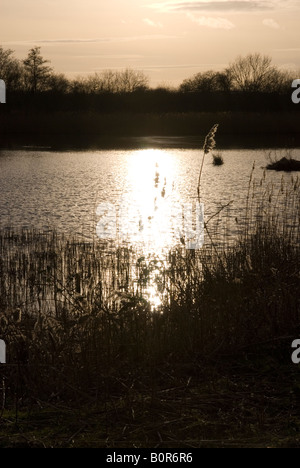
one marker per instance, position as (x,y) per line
(94,40)
(70,41)
(271,23)
(151,23)
(112,56)
(166,67)
(225,5)
(216,23)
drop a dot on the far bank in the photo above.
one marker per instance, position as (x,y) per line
(95,129)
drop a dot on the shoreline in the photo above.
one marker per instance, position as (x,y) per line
(48,142)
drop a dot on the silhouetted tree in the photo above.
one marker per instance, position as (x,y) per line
(105,82)
(224,81)
(37,73)
(78,85)
(125,81)
(10,69)
(253,73)
(58,83)
(207,82)
(132,80)
(252,78)
(281,81)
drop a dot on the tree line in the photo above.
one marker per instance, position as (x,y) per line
(35,75)
(249,82)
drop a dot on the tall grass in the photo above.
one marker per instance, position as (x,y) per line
(76,317)
(209,144)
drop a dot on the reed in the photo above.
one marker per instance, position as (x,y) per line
(209,144)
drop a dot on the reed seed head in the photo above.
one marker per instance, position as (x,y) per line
(210,142)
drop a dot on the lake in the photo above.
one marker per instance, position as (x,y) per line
(134,195)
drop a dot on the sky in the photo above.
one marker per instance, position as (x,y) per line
(168,40)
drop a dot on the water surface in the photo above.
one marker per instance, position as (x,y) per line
(45,189)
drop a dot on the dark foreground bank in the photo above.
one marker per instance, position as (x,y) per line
(89,366)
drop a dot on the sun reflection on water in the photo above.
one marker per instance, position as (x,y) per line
(150,213)
(147,211)
(151,218)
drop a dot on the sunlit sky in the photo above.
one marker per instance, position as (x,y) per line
(169,41)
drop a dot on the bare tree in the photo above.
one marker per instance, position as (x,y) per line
(59,83)
(78,85)
(109,81)
(130,80)
(209,81)
(201,82)
(254,72)
(282,80)
(223,81)
(37,72)
(105,82)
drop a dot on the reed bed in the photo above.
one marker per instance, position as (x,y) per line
(81,330)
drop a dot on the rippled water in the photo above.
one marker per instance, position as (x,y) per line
(63,190)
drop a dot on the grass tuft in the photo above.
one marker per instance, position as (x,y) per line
(218,159)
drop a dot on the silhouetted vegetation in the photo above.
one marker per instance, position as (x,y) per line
(251,83)
(93,364)
(251,96)
(218,159)
(284,164)
(36,73)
